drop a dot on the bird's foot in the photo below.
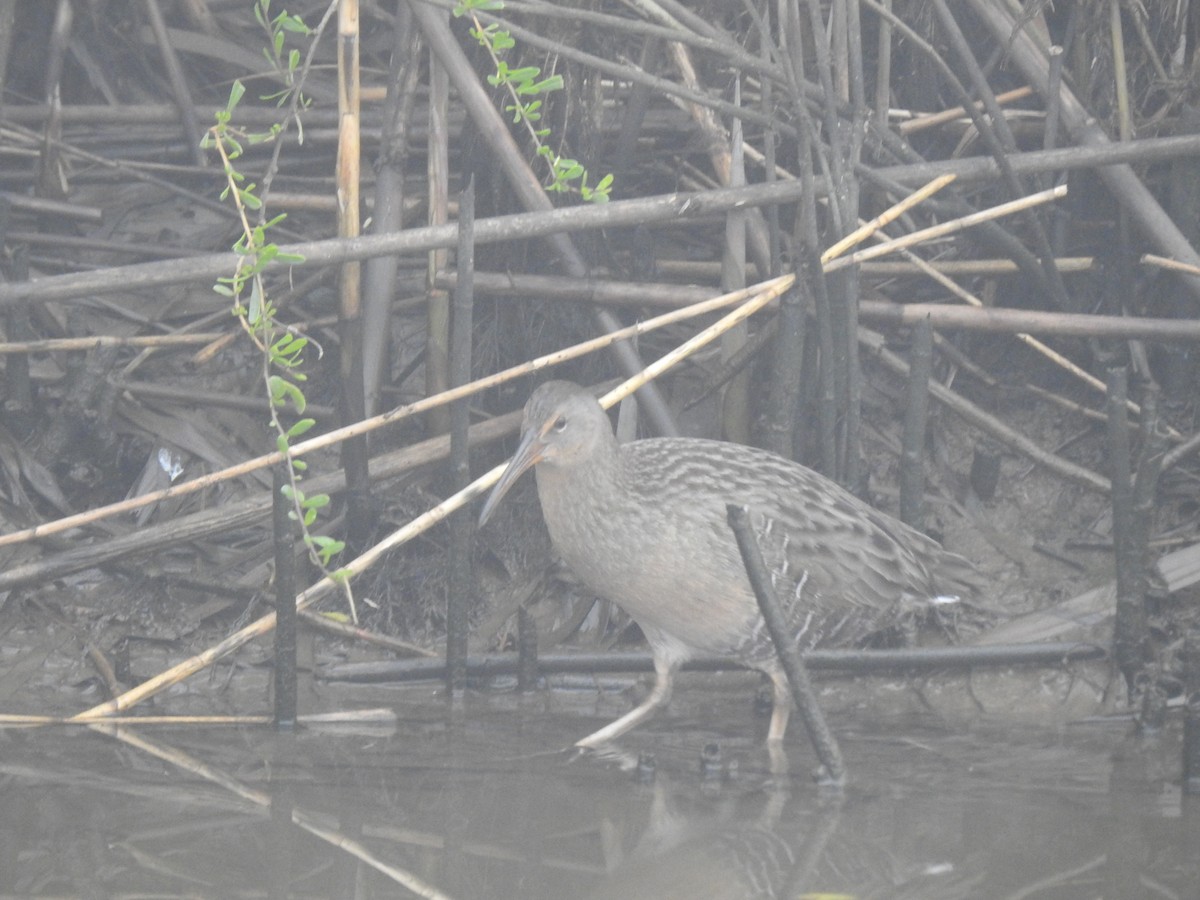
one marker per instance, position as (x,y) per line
(603,751)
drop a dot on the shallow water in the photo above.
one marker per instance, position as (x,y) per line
(476,800)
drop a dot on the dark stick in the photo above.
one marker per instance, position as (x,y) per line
(769,138)
(462,581)
(735,402)
(637,104)
(823,740)
(847,661)
(1142,509)
(527,650)
(178,81)
(854,473)
(1191,712)
(916,416)
(17,396)
(285,603)
(810,272)
(881,313)
(788,364)
(1150,463)
(1129,626)
(379,274)
(1050,136)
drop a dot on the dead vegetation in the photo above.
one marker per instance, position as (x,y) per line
(744,140)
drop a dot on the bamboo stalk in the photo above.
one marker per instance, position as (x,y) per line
(382,715)
(920,123)
(952,227)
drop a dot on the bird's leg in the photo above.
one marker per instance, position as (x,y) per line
(665,669)
(781,706)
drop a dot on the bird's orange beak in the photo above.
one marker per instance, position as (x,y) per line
(529,453)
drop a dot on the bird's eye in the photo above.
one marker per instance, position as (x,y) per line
(560,425)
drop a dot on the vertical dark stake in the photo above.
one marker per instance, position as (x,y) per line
(527,650)
(823,740)
(285,603)
(637,103)
(774,235)
(787,379)
(462,581)
(1191,713)
(18,393)
(1129,627)
(1145,491)
(916,415)
(735,402)
(1053,103)
(379,272)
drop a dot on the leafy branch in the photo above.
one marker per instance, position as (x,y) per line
(525,87)
(281,347)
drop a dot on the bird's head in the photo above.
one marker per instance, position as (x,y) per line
(563,427)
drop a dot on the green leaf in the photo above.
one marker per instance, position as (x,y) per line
(289,345)
(300,427)
(282,390)
(294,24)
(553,83)
(524,74)
(236,91)
(255,311)
(599,193)
(326,547)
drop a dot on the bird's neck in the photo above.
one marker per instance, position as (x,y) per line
(579,488)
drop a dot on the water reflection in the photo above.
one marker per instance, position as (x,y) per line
(478,804)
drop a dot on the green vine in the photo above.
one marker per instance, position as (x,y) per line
(525,87)
(281,347)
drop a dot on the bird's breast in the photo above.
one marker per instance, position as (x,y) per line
(669,571)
